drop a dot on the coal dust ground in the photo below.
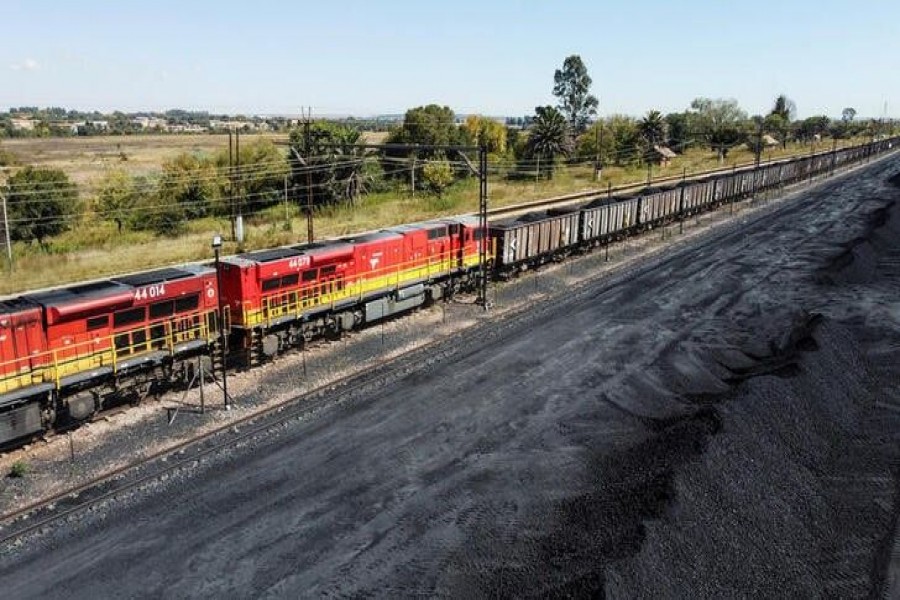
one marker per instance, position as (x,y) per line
(721,423)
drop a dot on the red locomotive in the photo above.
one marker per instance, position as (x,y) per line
(279,298)
(68,352)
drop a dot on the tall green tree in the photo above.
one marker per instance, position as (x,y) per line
(680,130)
(430,125)
(785,108)
(721,123)
(652,128)
(572,86)
(848,114)
(41,203)
(775,124)
(779,119)
(549,138)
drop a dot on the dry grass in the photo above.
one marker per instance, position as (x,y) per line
(95,249)
(86,159)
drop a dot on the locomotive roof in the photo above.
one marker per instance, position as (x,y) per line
(163,275)
(421,226)
(264,256)
(317,248)
(11,305)
(470,220)
(81,293)
(372,237)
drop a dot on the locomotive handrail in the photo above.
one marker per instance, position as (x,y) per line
(52,367)
(272,307)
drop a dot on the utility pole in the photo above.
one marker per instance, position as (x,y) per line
(240,198)
(681,200)
(231,182)
(833,153)
(759,131)
(287,217)
(412,176)
(483,224)
(6,231)
(307,142)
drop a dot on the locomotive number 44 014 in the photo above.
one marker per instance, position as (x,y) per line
(151,291)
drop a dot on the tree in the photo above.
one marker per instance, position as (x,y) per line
(572,86)
(549,137)
(487,132)
(721,123)
(848,114)
(652,129)
(620,143)
(438,174)
(785,108)
(159,213)
(680,129)
(783,112)
(429,125)
(116,198)
(775,124)
(809,128)
(326,164)
(41,203)
(191,183)
(261,177)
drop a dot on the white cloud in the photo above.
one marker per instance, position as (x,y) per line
(29,64)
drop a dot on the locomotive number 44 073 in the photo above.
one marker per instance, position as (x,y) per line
(151,291)
(299,262)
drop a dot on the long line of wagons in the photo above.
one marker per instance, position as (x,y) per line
(68,353)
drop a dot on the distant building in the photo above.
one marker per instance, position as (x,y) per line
(661,155)
(178,128)
(23,124)
(77,126)
(149,122)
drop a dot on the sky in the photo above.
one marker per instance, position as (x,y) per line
(476,56)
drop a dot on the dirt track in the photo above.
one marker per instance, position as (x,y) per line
(723,424)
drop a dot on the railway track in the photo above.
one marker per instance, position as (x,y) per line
(39,515)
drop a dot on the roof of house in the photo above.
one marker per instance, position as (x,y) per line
(665,152)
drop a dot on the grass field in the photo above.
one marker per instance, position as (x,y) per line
(95,248)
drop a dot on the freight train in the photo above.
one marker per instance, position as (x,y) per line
(68,353)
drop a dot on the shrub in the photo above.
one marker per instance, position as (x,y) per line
(19,469)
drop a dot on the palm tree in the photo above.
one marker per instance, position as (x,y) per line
(549,137)
(652,129)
